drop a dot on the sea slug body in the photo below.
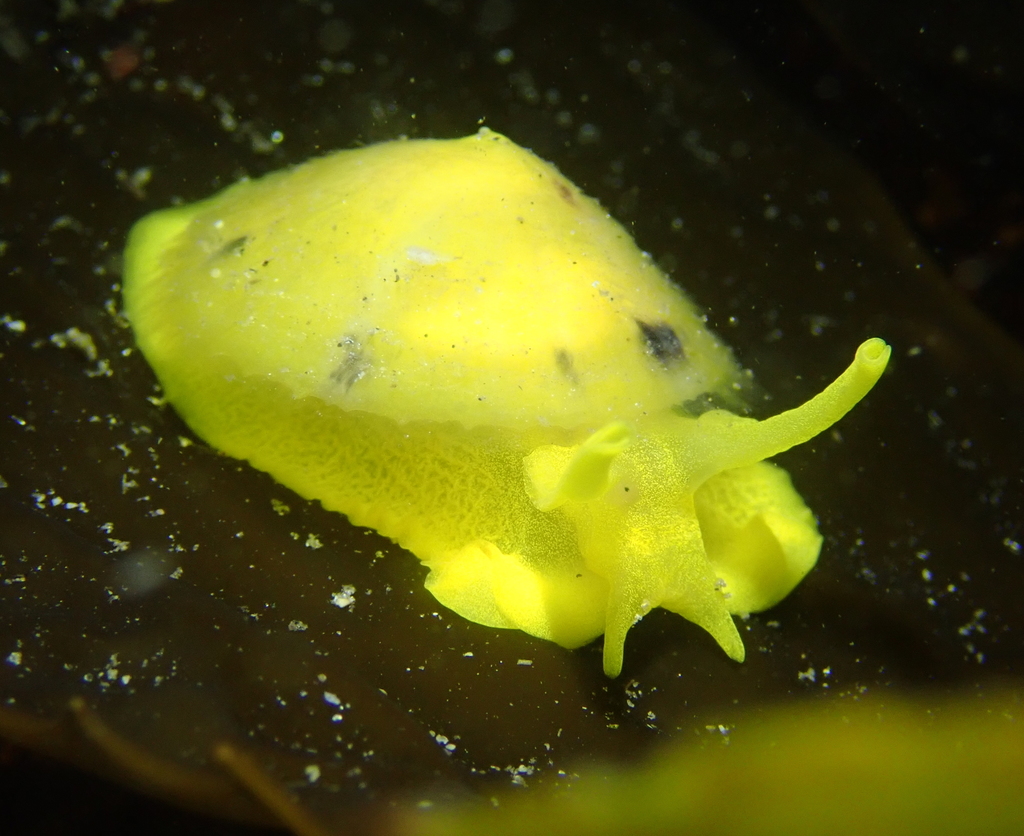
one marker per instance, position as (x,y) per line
(448,342)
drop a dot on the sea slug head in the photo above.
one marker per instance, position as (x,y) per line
(685,513)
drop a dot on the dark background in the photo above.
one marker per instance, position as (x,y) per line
(928,97)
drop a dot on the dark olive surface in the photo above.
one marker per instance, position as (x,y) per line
(168,587)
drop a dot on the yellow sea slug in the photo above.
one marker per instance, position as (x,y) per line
(448,342)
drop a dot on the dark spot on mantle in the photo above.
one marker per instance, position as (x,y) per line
(662,341)
(353,365)
(563,359)
(233,247)
(565,193)
(704,402)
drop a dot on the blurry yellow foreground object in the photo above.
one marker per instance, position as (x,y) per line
(847,769)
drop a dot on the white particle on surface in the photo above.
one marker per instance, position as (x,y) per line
(313,542)
(298,626)
(345,597)
(443,741)
(421,255)
(974,625)
(76,338)
(14,658)
(15,325)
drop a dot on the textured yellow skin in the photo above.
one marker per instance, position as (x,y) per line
(448,342)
